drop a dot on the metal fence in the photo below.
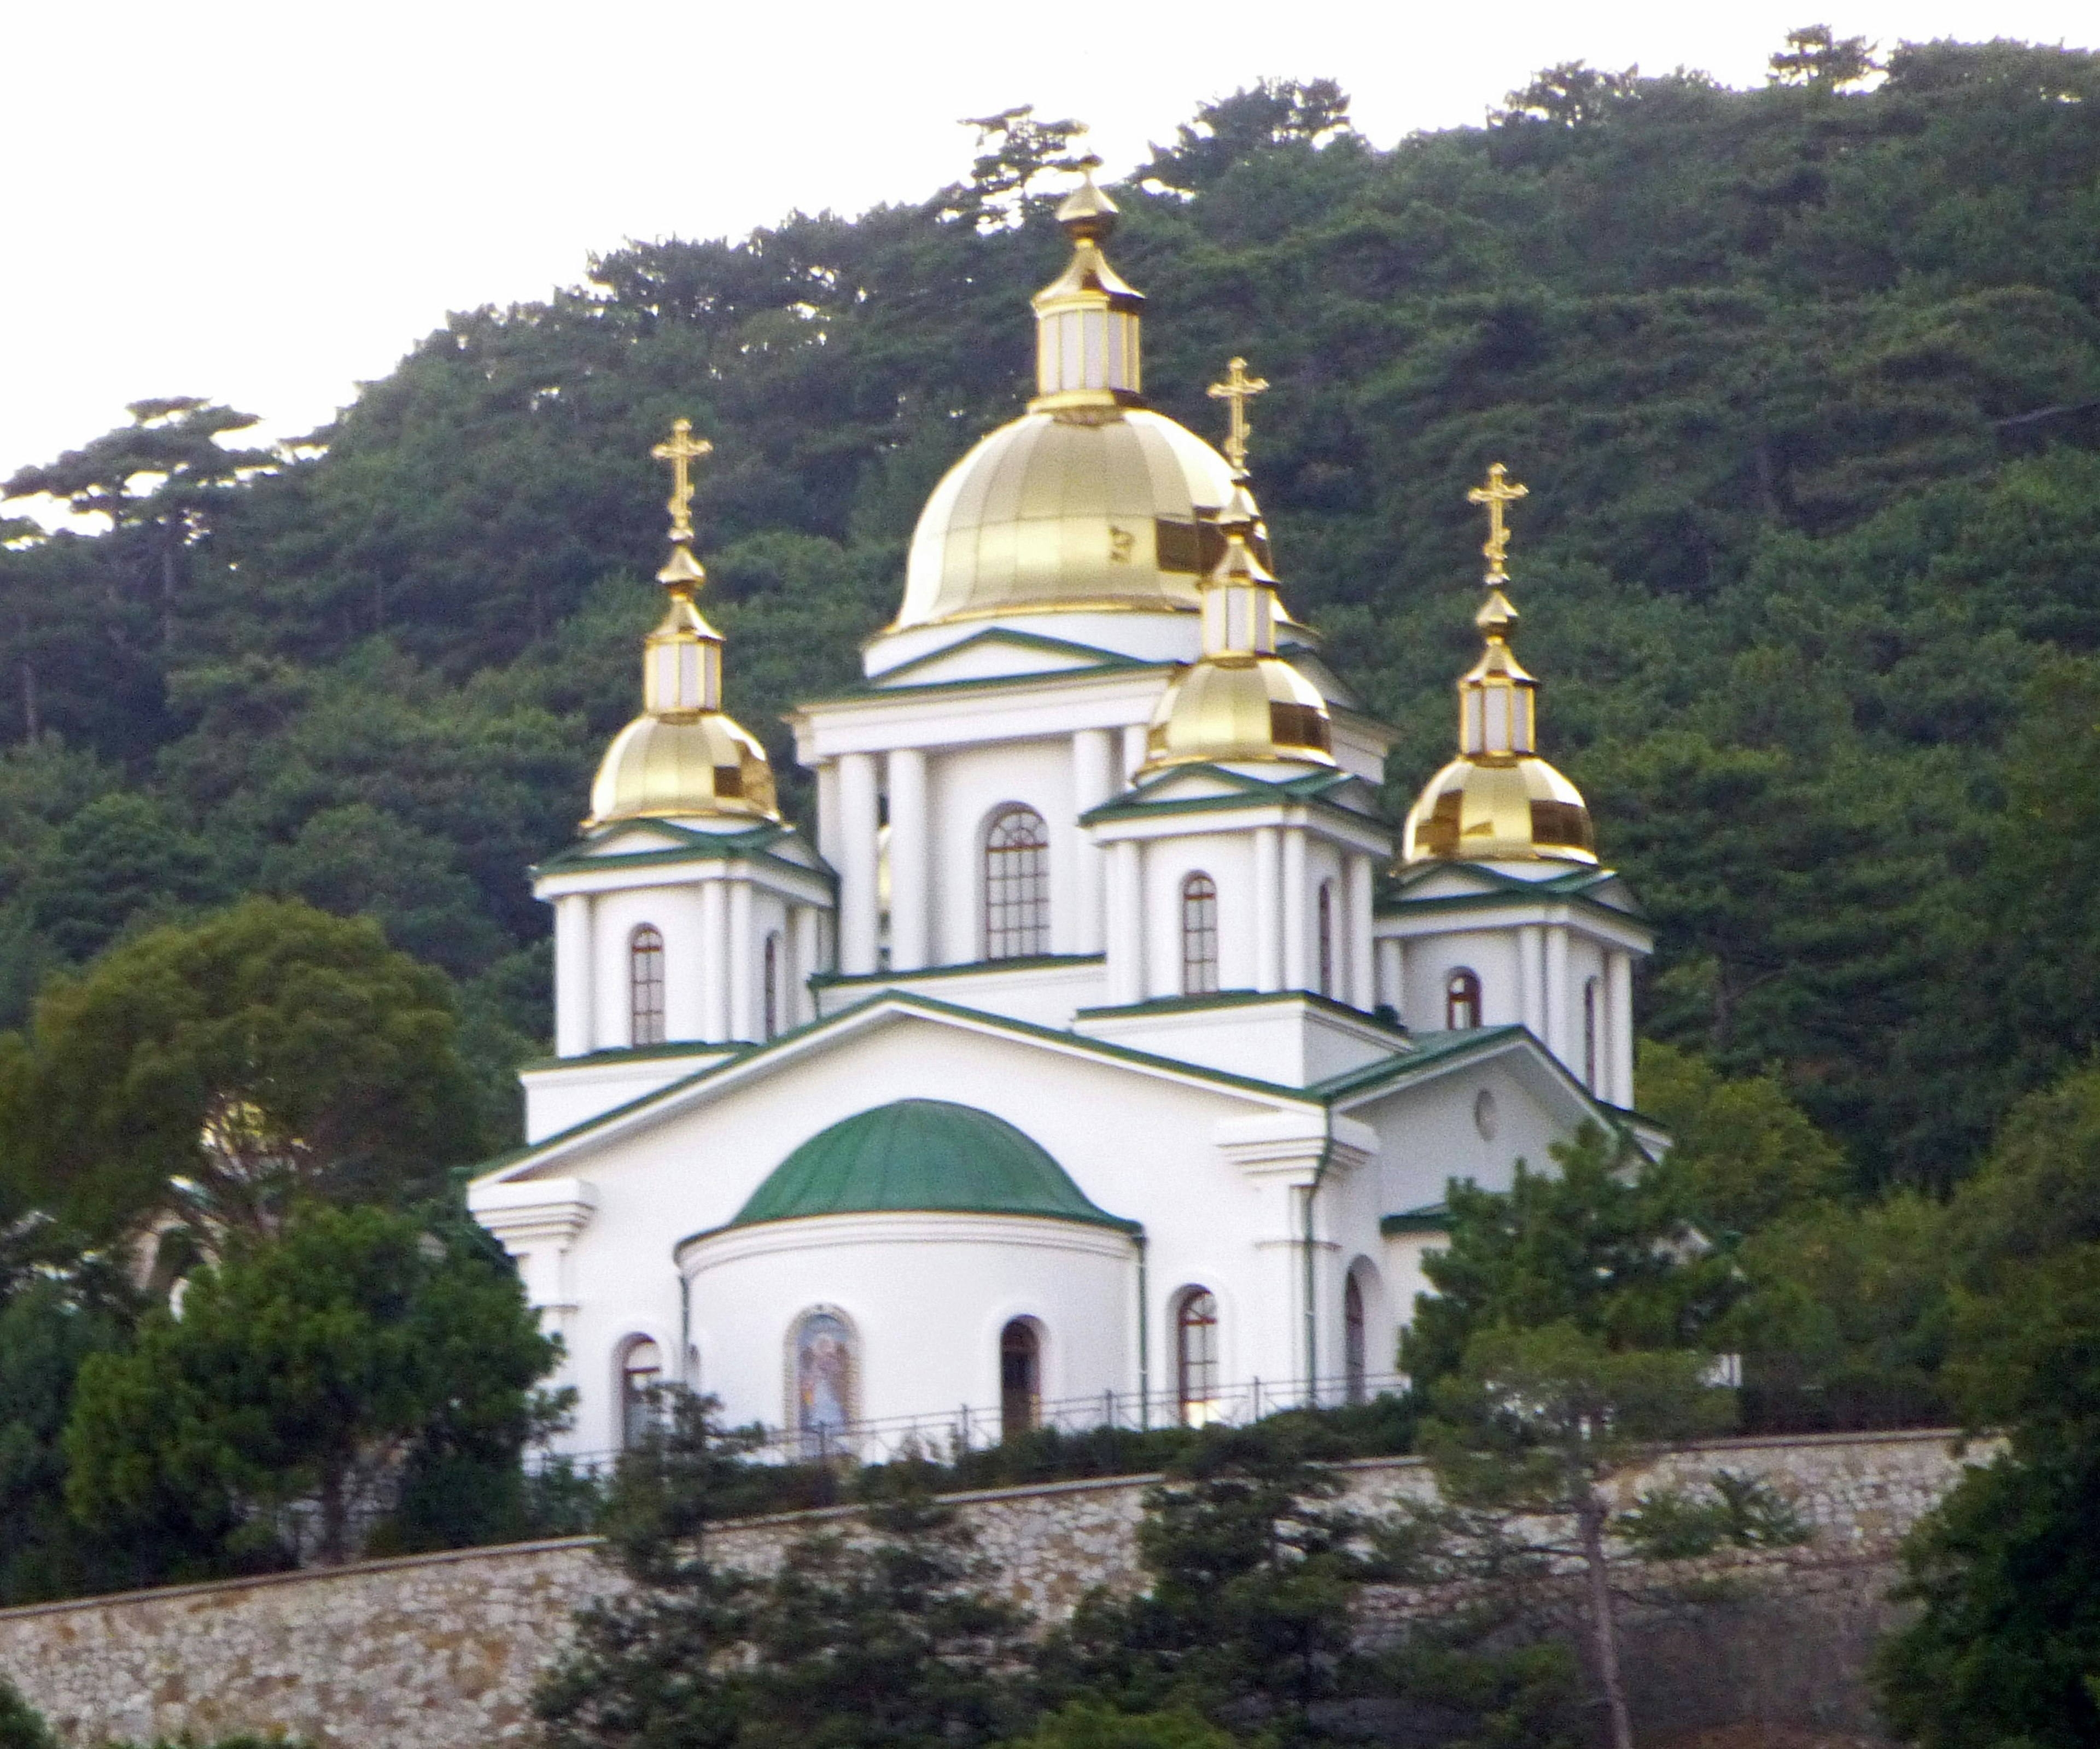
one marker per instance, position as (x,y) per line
(941,1435)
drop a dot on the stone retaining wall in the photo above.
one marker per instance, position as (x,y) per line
(441,1651)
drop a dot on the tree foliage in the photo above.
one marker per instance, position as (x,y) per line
(284,1410)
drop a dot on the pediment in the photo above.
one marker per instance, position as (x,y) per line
(997,654)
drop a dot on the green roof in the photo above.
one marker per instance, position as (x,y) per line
(922,1154)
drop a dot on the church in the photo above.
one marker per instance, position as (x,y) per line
(1106,1056)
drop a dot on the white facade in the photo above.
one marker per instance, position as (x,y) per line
(1267,1142)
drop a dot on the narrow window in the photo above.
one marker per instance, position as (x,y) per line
(640,1371)
(1590,1035)
(1199,935)
(1020,1379)
(645,979)
(1195,1358)
(1016,884)
(1326,937)
(823,1385)
(1462,1001)
(1352,1341)
(772,975)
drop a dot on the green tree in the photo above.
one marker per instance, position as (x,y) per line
(276,1414)
(879,1635)
(21,1725)
(1605,1244)
(1537,1421)
(1751,1155)
(1814,57)
(217,1072)
(1088,1724)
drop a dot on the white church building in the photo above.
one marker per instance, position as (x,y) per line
(1108,1055)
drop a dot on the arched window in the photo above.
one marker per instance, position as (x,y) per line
(1462,1001)
(824,1384)
(644,985)
(1016,884)
(1199,935)
(772,974)
(1352,1341)
(640,1371)
(1327,985)
(1589,1034)
(1195,1358)
(1020,1379)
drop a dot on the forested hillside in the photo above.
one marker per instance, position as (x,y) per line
(1805,382)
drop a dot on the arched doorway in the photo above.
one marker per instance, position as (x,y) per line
(1020,1379)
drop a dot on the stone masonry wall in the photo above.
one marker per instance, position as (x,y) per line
(441,1651)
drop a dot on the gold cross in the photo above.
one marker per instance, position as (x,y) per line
(1238,388)
(1497,493)
(680,450)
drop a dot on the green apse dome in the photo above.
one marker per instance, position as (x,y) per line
(922,1155)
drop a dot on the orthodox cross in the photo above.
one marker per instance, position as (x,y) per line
(1237,388)
(1497,493)
(679,451)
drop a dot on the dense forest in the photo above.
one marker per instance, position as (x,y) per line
(1805,382)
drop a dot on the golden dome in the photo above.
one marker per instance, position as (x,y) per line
(1241,701)
(682,758)
(681,767)
(1497,801)
(1516,811)
(1077,511)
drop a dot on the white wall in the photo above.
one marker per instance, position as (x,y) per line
(926,1296)
(964,786)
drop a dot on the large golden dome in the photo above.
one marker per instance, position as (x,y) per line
(666,767)
(1083,510)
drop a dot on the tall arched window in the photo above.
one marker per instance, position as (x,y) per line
(1199,935)
(1589,1034)
(1020,1379)
(771,970)
(1016,884)
(640,1371)
(1353,1340)
(824,1383)
(1195,1358)
(644,986)
(1327,985)
(1462,1001)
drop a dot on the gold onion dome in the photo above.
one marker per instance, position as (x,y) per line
(1240,702)
(1497,801)
(682,758)
(1089,502)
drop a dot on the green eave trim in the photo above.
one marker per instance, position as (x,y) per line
(1178,1004)
(1543,892)
(698,847)
(911,1000)
(614,1054)
(1435,1218)
(1247,793)
(1441,1049)
(875,690)
(1033,962)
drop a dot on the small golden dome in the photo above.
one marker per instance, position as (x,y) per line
(1065,513)
(682,758)
(1516,810)
(682,767)
(1497,801)
(1227,709)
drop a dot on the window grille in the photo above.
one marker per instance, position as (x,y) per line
(1195,1358)
(1199,935)
(1326,937)
(645,965)
(1353,1369)
(640,1371)
(771,971)
(1020,1379)
(1016,885)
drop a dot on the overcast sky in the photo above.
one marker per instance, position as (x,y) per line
(266,202)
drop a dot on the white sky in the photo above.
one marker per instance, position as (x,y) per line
(265,201)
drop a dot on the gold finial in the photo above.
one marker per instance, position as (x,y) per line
(680,450)
(1238,388)
(1498,492)
(1087,214)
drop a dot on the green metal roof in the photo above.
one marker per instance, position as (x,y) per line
(922,1154)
